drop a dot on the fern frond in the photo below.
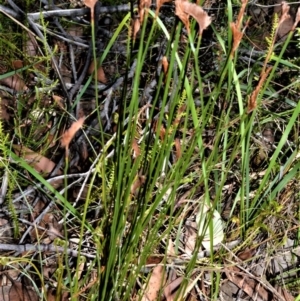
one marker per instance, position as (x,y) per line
(180,112)
(3,137)
(271,39)
(11,207)
(111,177)
(48,55)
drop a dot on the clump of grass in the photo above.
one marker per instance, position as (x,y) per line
(180,153)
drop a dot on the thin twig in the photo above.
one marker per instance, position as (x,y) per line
(72,40)
(46,210)
(78,12)
(78,83)
(42,248)
(9,11)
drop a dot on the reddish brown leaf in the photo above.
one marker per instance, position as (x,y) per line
(182,15)
(248,285)
(285,12)
(179,115)
(153,259)
(165,65)
(159,4)
(170,290)
(90,3)
(252,103)
(19,292)
(59,101)
(241,14)
(178,148)
(69,133)
(235,27)
(198,14)
(136,148)
(155,283)
(40,163)
(237,37)
(170,248)
(137,183)
(100,73)
(297,19)
(162,132)
(144,5)
(246,254)
(136,27)
(17,64)
(286,22)
(14,82)
(31,46)
(184,9)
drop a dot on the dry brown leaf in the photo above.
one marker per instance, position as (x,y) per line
(190,237)
(17,64)
(170,248)
(159,4)
(241,14)
(136,27)
(68,135)
(59,101)
(4,113)
(136,148)
(162,132)
(51,295)
(237,37)
(90,3)
(100,73)
(177,148)
(249,286)
(285,12)
(155,284)
(253,286)
(4,292)
(40,163)
(144,5)
(297,19)
(165,65)
(31,46)
(53,230)
(246,254)
(153,259)
(182,15)
(19,292)
(285,294)
(198,14)
(285,23)
(190,286)
(170,290)
(84,154)
(252,103)
(285,28)
(137,183)
(235,27)
(14,82)
(184,9)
